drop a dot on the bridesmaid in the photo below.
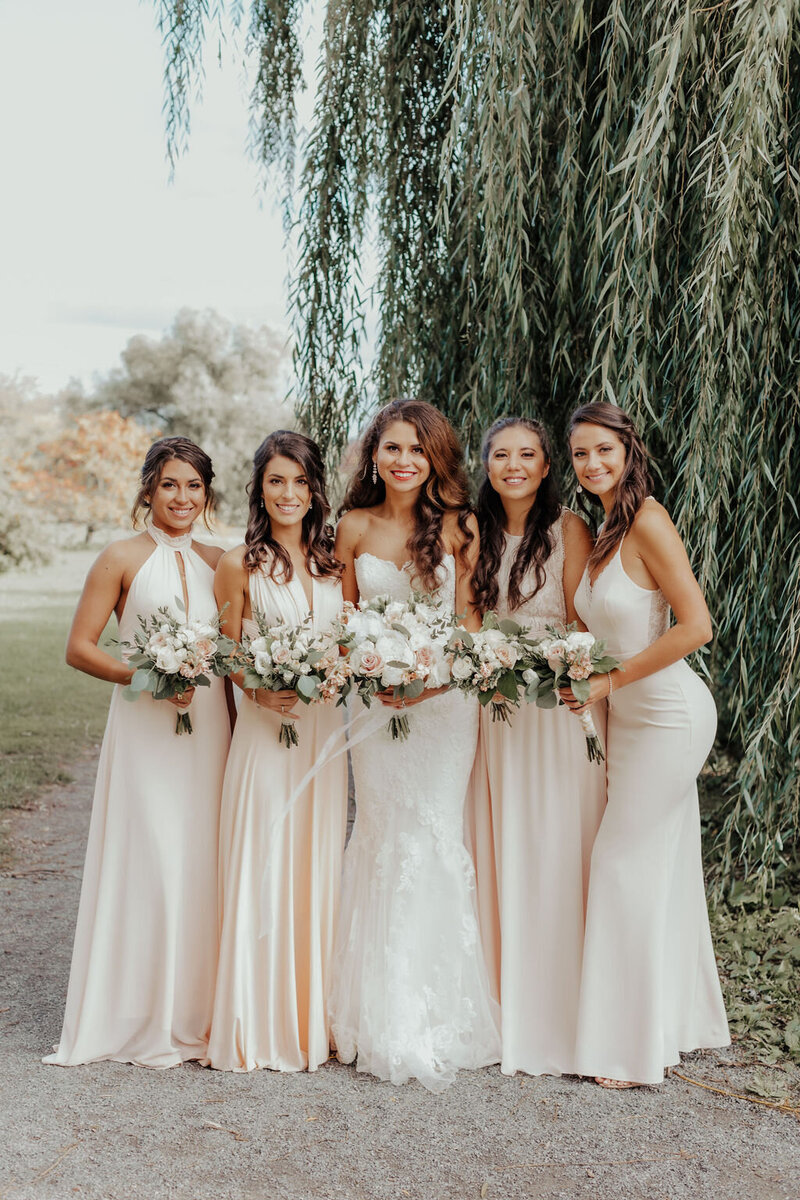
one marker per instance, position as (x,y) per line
(650,988)
(143,964)
(270,1001)
(535,800)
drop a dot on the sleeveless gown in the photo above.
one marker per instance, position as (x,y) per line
(650,987)
(410,995)
(270,1004)
(141,984)
(534,807)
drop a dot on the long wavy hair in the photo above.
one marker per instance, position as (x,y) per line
(537,539)
(317,533)
(156,459)
(636,482)
(445,490)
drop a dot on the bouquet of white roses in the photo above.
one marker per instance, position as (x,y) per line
(171,657)
(567,658)
(493,664)
(292,658)
(396,644)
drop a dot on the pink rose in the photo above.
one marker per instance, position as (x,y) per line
(424,657)
(371,663)
(506,656)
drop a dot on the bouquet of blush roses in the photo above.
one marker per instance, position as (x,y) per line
(567,658)
(395,644)
(292,658)
(493,664)
(171,657)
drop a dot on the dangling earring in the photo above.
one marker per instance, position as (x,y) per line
(374,473)
(579,489)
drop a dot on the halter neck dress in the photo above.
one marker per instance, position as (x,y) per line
(141,984)
(534,807)
(271,991)
(649,986)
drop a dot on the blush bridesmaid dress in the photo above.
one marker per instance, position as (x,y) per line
(649,986)
(534,806)
(271,991)
(144,960)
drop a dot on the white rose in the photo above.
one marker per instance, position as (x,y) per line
(461,669)
(394,646)
(579,641)
(530,676)
(259,645)
(262,662)
(392,676)
(169,661)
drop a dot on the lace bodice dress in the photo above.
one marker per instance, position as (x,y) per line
(410,995)
(534,806)
(279,867)
(649,987)
(142,980)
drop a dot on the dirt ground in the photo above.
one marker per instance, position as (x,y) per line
(114,1132)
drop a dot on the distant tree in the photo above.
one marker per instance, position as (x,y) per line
(88,473)
(207,379)
(25,417)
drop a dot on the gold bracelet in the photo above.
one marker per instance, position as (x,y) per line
(610,686)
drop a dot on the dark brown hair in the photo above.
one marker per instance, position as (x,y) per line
(446,489)
(537,539)
(153,466)
(317,534)
(636,482)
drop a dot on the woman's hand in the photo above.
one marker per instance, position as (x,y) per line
(391,701)
(182,702)
(599,688)
(279,702)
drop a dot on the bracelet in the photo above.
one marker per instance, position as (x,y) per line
(610,686)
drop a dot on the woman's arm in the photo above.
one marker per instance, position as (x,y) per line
(348,535)
(577,548)
(657,542)
(466,562)
(104,587)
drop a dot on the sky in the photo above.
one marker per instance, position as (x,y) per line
(97,243)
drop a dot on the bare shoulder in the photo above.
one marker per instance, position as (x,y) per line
(574,527)
(229,562)
(652,523)
(352,527)
(452,531)
(209,554)
(125,554)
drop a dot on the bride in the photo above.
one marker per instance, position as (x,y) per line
(410,995)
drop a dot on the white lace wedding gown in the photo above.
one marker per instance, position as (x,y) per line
(410,995)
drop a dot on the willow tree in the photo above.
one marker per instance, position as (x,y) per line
(568,201)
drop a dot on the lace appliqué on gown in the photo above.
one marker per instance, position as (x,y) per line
(411,996)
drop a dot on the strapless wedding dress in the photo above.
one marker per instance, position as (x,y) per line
(410,996)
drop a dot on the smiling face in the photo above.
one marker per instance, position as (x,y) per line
(516,463)
(178,498)
(599,457)
(400,458)
(286,492)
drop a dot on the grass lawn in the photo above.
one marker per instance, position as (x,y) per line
(49,713)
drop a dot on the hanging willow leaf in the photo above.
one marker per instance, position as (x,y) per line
(560,203)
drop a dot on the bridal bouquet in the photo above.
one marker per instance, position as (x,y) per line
(569,657)
(396,644)
(292,658)
(493,664)
(171,657)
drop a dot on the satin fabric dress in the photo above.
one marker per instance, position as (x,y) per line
(410,995)
(144,961)
(533,810)
(649,987)
(270,1005)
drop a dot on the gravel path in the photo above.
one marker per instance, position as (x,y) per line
(114,1132)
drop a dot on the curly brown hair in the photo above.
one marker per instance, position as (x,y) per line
(157,456)
(446,490)
(636,482)
(537,540)
(317,533)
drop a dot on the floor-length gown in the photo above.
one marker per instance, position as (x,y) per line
(533,809)
(141,984)
(410,994)
(650,987)
(270,1004)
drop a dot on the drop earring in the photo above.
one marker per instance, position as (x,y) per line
(579,490)
(374,473)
